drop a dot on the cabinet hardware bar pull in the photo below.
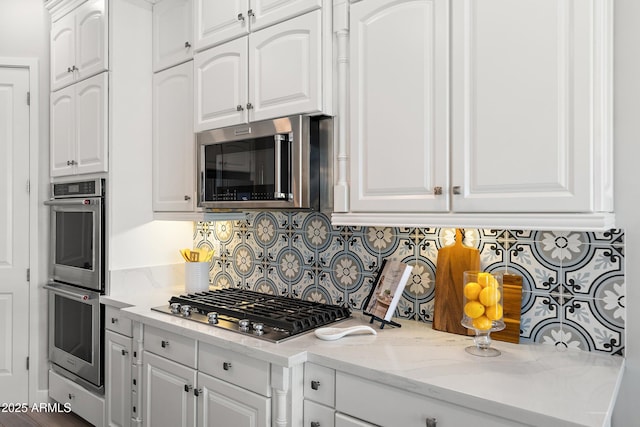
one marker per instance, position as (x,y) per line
(431,422)
(240,17)
(114,320)
(457,189)
(124,352)
(197,392)
(437,191)
(315,424)
(315,385)
(164,344)
(187,388)
(226,366)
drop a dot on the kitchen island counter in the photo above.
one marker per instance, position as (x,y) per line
(532,384)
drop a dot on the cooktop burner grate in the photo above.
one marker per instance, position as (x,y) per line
(278,317)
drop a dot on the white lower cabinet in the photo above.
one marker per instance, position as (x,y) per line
(118,382)
(82,402)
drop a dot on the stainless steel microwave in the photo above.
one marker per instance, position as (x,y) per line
(285,163)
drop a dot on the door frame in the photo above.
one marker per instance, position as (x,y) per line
(37,251)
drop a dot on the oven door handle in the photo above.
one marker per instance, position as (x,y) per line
(73,202)
(78,296)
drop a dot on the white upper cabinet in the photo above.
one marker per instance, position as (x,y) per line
(527,98)
(173,140)
(172,33)
(219,21)
(495,113)
(79,44)
(271,73)
(79,117)
(398,105)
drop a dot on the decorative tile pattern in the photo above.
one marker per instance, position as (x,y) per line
(573,282)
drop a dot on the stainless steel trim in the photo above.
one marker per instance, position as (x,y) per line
(76,294)
(74,202)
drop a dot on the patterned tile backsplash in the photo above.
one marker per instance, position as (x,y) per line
(573,282)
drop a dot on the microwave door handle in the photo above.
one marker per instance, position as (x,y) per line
(278,166)
(73,295)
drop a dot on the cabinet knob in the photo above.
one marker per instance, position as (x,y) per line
(250,13)
(457,189)
(315,424)
(249,106)
(187,45)
(240,17)
(239,107)
(114,320)
(437,191)
(226,366)
(69,70)
(72,396)
(188,388)
(431,422)
(187,198)
(197,392)
(315,385)
(124,352)
(164,344)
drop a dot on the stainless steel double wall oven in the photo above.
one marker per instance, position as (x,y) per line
(77,279)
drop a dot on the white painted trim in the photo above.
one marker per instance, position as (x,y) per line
(35,241)
(517,221)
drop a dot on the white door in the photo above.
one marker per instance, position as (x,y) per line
(225,405)
(14,235)
(399,105)
(220,95)
(524,116)
(172,33)
(174,147)
(285,68)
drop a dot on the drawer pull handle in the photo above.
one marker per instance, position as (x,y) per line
(315,424)
(226,366)
(164,344)
(315,385)
(114,320)
(431,422)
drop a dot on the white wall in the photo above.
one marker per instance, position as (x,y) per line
(627,205)
(24,33)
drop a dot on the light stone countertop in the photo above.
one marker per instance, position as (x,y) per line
(535,384)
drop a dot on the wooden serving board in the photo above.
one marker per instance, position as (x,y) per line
(452,262)
(511,306)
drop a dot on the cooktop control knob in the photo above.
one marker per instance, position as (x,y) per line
(258,328)
(175,307)
(186,310)
(212,317)
(244,325)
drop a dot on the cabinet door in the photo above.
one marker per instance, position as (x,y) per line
(399,105)
(173,140)
(168,393)
(62,51)
(224,405)
(91,55)
(285,68)
(346,421)
(221,85)
(118,379)
(523,92)
(269,12)
(219,21)
(172,33)
(63,131)
(91,124)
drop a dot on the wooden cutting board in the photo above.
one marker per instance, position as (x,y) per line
(452,262)
(511,306)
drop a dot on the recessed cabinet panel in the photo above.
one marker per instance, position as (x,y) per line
(399,103)
(219,21)
(91,44)
(62,51)
(118,384)
(172,33)
(173,140)
(91,122)
(523,128)
(221,86)
(285,72)
(269,12)
(63,137)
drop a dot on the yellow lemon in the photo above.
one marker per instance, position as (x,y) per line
(494,312)
(471,291)
(489,296)
(483,323)
(473,309)
(486,279)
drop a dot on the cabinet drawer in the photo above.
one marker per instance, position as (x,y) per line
(319,384)
(244,371)
(388,406)
(317,415)
(84,403)
(116,322)
(174,347)
(346,421)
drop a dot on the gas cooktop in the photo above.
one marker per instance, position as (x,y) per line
(269,317)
